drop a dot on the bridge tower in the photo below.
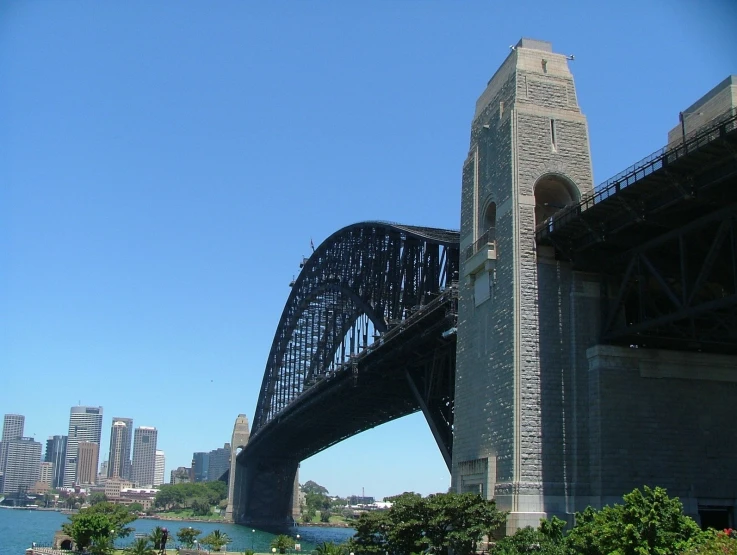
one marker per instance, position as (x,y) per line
(238,442)
(516,352)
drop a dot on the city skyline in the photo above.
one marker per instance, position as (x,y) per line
(163,186)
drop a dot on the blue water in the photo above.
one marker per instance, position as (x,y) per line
(19,528)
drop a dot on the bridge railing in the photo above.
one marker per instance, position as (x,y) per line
(488,236)
(725,122)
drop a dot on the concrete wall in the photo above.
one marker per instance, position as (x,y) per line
(663,418)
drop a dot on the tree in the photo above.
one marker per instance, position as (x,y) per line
(98,522)
(313,487)
(330,548)
(545,540)
(188,535)
(712,542)
(325,515)
(96,497)
(201,507)
(282,543)
(140,546)
(436,523)
(157,536)
(649,522)
(135,508)
(216,540)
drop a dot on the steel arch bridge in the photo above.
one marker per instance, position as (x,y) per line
(366,336)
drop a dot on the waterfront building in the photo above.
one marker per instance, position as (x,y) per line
(119,460)
(45,478)
(144,455)
(200,466)
(85,425)
(22,462)
(181,475)
(87,456)
(46,473)
(12,429)
(113,487)
(219,463)
(159,468)
(56,449)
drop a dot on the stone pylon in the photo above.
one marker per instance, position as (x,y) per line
(528,158)
(239,440)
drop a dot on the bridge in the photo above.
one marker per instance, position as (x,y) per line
(583,344)
(366,336)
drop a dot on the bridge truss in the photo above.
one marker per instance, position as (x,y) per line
(361,289)
(663,236)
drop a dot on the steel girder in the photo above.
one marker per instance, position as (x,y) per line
(357,285)
(678,291)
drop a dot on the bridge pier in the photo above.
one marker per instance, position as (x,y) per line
(547,419)
(266,491)
(663,418)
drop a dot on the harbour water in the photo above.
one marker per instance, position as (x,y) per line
(19,528)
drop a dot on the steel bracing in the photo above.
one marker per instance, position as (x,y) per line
(662,236)
(366,336)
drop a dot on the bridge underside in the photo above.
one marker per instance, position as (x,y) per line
(664,240)
(410,368)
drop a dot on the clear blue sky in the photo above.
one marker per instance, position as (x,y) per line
(163,166)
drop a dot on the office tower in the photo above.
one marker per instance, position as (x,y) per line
(22,462)
(200,466)
(159,468)
(46,473)
(87,456)
(12,429)
(219,463)
(56,449)
(119,461)
(85,424)
(144,456)
(180,476)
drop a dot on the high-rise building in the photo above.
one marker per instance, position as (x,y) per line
(144,455)
(181,475)
(200,466)
(12,429)
(46,473)
(159,468)
(22,462)
(85,424)
(119,461)
(219,463)
(87,456)
(56,450)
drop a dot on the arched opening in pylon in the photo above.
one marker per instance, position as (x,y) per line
(553,193)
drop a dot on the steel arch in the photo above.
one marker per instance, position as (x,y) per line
(365,277)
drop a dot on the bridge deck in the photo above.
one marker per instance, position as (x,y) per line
(335,408)
(662,192)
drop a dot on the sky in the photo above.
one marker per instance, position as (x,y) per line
(164,166)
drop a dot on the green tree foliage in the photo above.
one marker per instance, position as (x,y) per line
(325,515)
(529,540)
(97,497)
(98,522)
(435,523)
(156,536)
(282,543)
(216,540)
(313,487)
(648,523)
(140,546)
(188,535)
(714,542)
(201,507)
(178,496)
(135,507)
(330,548)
